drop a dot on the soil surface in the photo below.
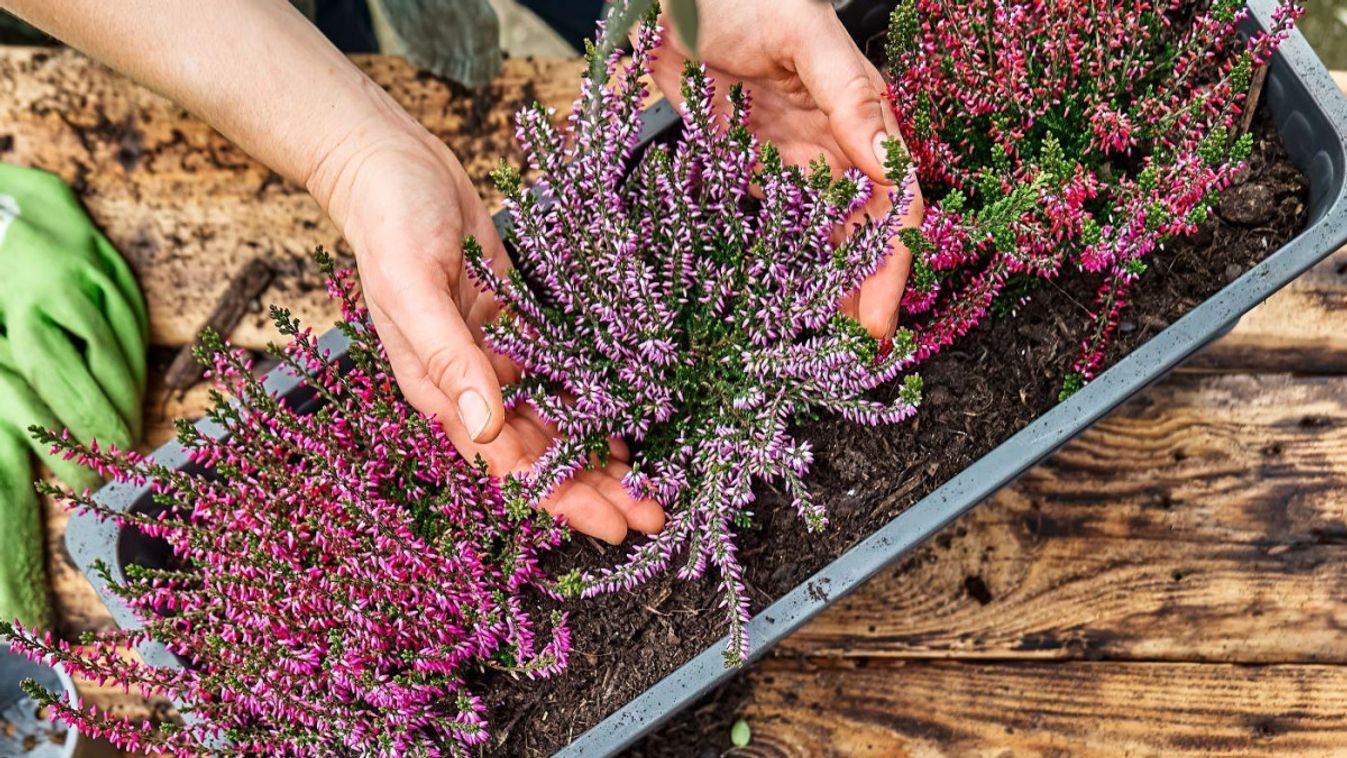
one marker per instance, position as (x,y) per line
(979,392)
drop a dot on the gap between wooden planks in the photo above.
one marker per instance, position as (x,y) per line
(926,708)
(1198,527)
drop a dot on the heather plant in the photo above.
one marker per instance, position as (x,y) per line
(1064,133)
(660,300)
(338,578)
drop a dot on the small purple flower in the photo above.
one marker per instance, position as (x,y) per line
(686,299)
(337,579)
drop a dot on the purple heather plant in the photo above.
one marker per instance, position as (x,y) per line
(1064,133)
(660,300)
(338,578)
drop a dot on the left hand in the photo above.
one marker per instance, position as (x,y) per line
(814,93)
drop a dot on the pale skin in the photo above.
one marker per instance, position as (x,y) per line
(261,74)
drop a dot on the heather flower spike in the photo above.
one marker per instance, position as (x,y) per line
(658,300)
(1063,133)
(335,584)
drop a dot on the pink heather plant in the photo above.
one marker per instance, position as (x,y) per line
(1063,133)
(337,579)
(661,302)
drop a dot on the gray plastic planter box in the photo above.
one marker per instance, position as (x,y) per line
(1311,116)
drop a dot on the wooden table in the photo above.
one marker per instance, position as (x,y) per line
(1174,581)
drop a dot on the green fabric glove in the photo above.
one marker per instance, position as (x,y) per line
(23,575)
(70,309)
(21,408)
(73,335)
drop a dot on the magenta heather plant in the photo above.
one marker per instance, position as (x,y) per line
(661,302)
(1063,133)
(337,580)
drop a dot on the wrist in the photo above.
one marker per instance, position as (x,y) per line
(334,163)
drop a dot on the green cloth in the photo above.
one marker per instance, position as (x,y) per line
(70,309)
(73,335)
(23,575)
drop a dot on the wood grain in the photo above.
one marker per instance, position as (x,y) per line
(929,708)
(1300,328)
(1202,521)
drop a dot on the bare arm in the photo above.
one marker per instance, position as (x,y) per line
(256,70)
(267,79)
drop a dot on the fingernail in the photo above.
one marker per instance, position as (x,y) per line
(474,413)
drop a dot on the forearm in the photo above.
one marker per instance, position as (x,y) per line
(256,70)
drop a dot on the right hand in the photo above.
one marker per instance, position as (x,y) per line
(814,93)
(405,204)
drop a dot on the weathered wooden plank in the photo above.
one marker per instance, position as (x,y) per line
(1301,328)
(889,709)
(1203,521)
(189,209)
(1259,458)
(991,595)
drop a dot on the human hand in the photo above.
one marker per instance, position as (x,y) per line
(405,204)
(814,93)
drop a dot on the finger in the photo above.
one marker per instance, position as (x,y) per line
(124,317)
(643,515)
(534,435)
(885,105)
(881,294)
(617,447)
(502,454)
(877,304)
(103,355)
(21,408)
(480,308)
(483,310)
(587,511)
(51,366)
(416,300)
(609,494)
(840,80)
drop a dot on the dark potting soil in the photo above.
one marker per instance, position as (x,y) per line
(989,385)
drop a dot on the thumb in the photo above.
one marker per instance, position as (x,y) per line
(450,376)
(850,92)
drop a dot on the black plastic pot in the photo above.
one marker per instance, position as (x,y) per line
(1310,114)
